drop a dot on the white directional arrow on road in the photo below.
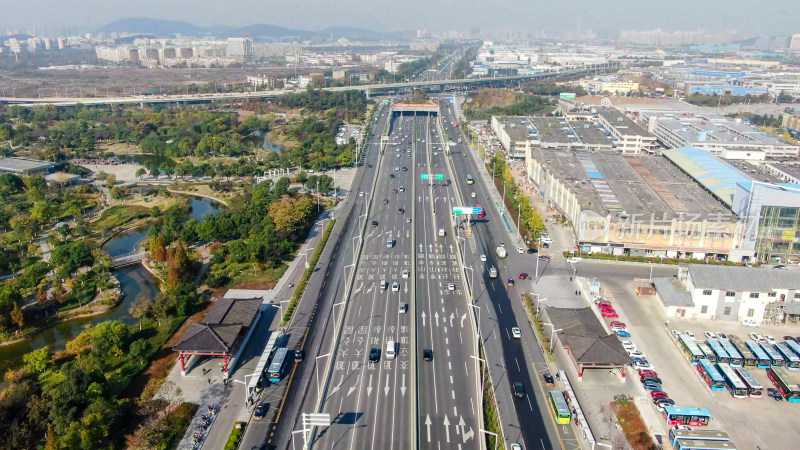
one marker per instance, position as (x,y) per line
(451,248)
(428,424)
(468,435)
(386,388)
(353,387)
(452,316)
(336,388)
(436,316)
(464,316)
(405,287)
(423,318)
(430,247)
(447,428)
(369,385)
(461,424)
(403,386)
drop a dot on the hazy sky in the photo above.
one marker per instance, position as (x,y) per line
(775,17)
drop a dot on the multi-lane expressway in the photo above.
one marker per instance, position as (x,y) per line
(411,257)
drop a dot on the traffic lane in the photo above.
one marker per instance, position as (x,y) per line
(355,318)
(327,292)
(452,355)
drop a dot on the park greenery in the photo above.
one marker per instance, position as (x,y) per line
(517,202)
(522,105)
(81,397)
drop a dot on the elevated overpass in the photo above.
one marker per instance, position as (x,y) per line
(369,89)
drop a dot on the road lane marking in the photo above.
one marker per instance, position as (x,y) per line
(518,368)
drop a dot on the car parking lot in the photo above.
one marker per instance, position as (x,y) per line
(751,422)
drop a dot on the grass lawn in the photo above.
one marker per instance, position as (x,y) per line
(116,216)
(250,275)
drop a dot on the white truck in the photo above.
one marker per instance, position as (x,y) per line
(501,252)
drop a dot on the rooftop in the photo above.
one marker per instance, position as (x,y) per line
(14,164)
(622,123)
(715,175)
(701,130)
(584,335)
(608,183)
(671,294)
(219,331)
(748,279)
(516,129)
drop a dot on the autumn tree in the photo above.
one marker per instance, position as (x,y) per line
(291,214)
(141,307)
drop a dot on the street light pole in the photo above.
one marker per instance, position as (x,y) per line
(552,335)
(316,372)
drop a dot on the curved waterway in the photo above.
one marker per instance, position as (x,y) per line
(134,280)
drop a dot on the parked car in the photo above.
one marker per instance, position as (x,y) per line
(574,260)
(545,258)
(710,335)
(610,313)
(775,394)
(770,339)
(650,386)
(636,354)
(646,378)
(602,303)
(623,334)
(523,276)
(749,323)
(757,337)
(260,412)
(647,372)
(618,326)
(427,354)
(661,402)
(548,380)
(681,427)
(605,306)
(658,394)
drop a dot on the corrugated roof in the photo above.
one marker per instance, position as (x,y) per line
(670,294)
(747,279)
(586,338)
(717,176)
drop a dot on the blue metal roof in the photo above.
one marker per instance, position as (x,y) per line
(715,175)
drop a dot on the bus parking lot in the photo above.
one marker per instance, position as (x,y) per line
(745,420)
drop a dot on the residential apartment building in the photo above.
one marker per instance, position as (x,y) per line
(512,134)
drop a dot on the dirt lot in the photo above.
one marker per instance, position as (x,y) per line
(115,81)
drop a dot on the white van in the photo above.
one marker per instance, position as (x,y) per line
(383,285)
(441,232)
(390,241)
(390,349)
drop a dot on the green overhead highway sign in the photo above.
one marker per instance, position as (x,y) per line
(439,176)
(427,176)
(423,176)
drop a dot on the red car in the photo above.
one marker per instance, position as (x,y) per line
(605,306)
(523,276)
(659,394)
(617,323)
(647,372)
(610,313)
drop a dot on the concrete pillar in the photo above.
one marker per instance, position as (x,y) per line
(183,366)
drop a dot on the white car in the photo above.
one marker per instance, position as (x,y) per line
(749,323)
(516,333)
(690,334)
(473,195)
(397,168)
(405,273)
(361,194)
(395,287)
(574,259)
(451,287)
(483,258)
(627,344)
(520,250)
(636,354)
(710,335)
(757,337)
(770,339)
(618,328)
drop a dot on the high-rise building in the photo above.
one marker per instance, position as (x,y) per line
(240,48)
(795,42)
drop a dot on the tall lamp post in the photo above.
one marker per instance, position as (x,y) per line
(552,335)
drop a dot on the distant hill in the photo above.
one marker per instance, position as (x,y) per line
(165,28)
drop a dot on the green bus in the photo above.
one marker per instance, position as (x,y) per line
(559,406)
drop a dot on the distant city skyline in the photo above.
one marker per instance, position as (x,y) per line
(603,17)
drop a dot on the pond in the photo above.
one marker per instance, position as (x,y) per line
(134,280)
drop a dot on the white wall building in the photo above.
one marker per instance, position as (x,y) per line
(703,291)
